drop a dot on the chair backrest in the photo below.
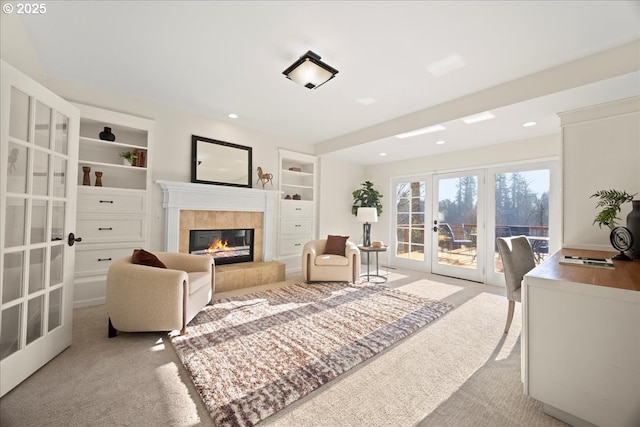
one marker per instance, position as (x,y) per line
(445,230)
(458,231)
(517,260)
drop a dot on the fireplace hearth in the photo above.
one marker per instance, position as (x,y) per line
(228,246)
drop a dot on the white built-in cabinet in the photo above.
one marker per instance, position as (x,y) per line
(112,219)
(298,182)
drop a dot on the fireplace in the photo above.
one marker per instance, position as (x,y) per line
(228,246)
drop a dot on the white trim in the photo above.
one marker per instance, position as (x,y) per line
(189,196)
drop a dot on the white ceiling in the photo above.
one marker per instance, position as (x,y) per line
(223,57)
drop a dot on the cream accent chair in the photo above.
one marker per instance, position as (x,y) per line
(517,260)
(320,267)
(141,298)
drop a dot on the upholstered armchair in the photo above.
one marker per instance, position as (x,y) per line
(517,260)
(145,298)
(319,266)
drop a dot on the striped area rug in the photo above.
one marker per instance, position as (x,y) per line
(252,355)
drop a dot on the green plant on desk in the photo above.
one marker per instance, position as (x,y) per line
(610,202)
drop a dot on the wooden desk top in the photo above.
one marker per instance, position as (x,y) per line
(626,274)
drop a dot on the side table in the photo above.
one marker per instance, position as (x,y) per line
(368,250)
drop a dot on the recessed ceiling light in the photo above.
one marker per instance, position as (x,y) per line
(365,101)
(481,117)
(383,154)
(233,116)
(441,142)
(529,124)
(429,129)
(446,65)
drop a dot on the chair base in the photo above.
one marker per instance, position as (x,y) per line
(512,305)
(112,331)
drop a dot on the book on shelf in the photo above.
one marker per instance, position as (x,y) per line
(587,262)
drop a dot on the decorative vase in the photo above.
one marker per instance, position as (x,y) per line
(633,224)
(106,135)
(86,179)
(126,162)
(98,179)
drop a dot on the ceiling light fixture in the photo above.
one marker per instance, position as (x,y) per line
(529,124)
(481,117)
(440,142)
(429,129)
(233,116)
(383,154)
(309,71)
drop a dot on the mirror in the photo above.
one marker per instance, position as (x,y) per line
(220,163)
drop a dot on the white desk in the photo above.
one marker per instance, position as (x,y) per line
(581,340)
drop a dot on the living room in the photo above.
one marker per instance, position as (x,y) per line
(351,157)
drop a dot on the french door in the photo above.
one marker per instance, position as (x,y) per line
(448,223)
(39,151)
(457,225)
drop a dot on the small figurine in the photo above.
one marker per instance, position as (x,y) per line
(264,177)
(85,179)
(98,179)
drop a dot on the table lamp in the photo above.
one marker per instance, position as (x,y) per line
(367,216)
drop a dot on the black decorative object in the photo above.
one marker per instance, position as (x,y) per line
(633,224)
(106,135)
(622,240)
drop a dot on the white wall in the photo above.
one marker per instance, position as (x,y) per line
(338,179)
(601,152)
(171,152)
(17,50)
(544,147)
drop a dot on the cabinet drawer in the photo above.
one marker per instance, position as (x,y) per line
(294,245)
(106,203)
(94,230)
(296,208)
(95,261)
(296,226)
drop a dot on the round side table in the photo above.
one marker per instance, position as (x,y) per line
(368,250)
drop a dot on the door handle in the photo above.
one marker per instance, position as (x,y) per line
(435,229)
(73,239)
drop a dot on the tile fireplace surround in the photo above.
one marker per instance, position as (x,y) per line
(201,206)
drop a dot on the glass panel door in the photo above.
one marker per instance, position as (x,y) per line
(39,141)
(522,201)
(410,219)
(457,233)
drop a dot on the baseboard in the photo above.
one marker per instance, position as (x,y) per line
(88,302)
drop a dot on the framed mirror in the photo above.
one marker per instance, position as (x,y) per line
(220,162)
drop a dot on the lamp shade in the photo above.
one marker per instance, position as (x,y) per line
(309,71)
(367,215)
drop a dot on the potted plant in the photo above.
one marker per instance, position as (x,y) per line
(366,197)
(610,202)
(128,157)
(621,238)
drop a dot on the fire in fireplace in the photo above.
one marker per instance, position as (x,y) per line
(225,246)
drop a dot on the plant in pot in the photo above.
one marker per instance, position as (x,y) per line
(621,238)
(128,157)
(369,198)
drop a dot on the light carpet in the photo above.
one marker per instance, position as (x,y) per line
(250,356)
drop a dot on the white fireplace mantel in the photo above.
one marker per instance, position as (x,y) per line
(188,196)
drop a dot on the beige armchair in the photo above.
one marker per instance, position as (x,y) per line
(142,298)
(318,266)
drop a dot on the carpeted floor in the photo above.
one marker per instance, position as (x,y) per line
(252,355)
(460,370)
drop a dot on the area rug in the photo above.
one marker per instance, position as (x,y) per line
(252,355)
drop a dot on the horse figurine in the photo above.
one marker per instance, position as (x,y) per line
(264,177)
